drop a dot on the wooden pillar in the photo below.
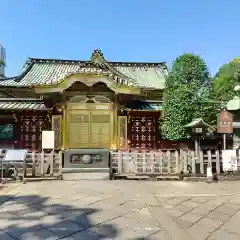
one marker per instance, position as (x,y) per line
(115,121)
(122,132)
(57,128)
(64,127)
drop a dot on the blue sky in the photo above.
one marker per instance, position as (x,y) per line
(126,30)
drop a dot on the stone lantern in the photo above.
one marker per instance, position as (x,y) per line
(196,128)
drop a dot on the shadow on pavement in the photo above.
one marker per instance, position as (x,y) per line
(34,217)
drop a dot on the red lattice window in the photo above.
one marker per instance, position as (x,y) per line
(142,131)
(31,128)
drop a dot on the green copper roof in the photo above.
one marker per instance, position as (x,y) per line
(21,104)
(143,105)
(234,104)
(197,122)
(49,71)
(146,76)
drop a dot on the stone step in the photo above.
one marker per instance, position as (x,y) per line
(86,176)
(85,170)
(135,177)
(168,178)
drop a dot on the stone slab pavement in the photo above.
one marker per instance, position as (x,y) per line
(94,209)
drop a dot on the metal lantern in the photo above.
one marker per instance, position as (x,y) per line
(197,130)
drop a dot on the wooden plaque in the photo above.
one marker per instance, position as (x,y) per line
(225,122)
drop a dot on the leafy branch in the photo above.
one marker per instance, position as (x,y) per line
(2,63)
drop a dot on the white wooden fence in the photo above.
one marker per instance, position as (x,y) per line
(165,162)
(43,164)
(36,165)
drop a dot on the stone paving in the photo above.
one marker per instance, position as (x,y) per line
(75,210)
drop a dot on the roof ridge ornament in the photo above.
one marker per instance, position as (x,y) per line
(97,56)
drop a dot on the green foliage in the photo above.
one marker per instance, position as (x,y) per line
(208,107)
(225,80)
(2,63)
(187,86)
(189,69)
(177,110)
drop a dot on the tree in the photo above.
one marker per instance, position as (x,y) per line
(187,86)
(225,80)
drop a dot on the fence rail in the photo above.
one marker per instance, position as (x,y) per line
(166,162)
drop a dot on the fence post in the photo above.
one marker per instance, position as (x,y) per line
(161,162)
(209,158)
(42,163)
(177,161)
(25,167)
(201,162)
(217,161)
(125,163)
(120,162)
(33,164)
(153,161)
(133,160)
(181,161)
(169,161)
(127,158)
(144,161)
(192,154)
(60,162)
(138,162)
(51,157)
(185,161)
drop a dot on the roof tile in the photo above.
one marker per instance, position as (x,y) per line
(22,106)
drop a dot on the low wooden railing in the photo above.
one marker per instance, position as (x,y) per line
(165,162)
(35,165)
(43,164)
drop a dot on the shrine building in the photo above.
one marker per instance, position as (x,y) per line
(92,104)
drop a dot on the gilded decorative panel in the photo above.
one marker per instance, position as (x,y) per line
(90,128)
(122,132)
(89,122)
(101,129)
(78,129)
(57,128)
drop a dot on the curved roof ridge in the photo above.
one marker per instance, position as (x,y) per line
(59,60)
(89,61)
(26,68)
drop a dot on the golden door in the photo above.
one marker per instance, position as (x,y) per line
(89,127)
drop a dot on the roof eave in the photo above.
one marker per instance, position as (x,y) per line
(197,123)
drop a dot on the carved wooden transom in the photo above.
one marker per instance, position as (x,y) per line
(87,99)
